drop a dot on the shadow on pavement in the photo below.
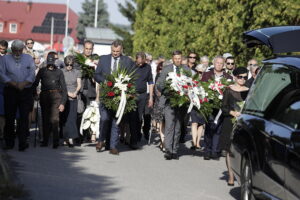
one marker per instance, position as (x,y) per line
(50,174)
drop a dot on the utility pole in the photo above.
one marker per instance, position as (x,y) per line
(96,14)
(52,32)
(67,19)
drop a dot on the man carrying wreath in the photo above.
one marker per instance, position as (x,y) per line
(173,115)
(109,130)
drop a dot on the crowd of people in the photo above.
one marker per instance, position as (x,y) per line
(49,91)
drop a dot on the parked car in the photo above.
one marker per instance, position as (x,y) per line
(265,150)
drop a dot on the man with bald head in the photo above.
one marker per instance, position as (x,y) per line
(17,72)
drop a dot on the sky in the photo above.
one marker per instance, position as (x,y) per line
(115,16)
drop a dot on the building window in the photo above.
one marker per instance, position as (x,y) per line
(1,27)
(13,28)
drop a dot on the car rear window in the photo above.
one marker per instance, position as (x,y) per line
(272,79)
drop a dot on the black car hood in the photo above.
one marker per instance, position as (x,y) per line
(281,39)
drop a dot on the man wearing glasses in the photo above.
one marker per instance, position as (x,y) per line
(253,71)
(230,65)
(29,47)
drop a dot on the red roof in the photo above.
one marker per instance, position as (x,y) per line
(31,21)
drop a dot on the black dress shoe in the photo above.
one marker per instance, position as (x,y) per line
(43,144)
(55,146)
(168,155)
(133,146)
(206,156)
(23,147)
(175,156)
(215,156)
(193,148)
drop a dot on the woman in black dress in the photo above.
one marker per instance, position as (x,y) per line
(231,108)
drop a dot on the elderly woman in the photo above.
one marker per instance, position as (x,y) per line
(69,116)
(231,108)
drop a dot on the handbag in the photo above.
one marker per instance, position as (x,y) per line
(80,105)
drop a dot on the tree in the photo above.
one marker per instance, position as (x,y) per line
(208,27)
(87,17)
(128,10)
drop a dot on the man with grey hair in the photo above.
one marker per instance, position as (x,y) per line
(17,72)
(214,125)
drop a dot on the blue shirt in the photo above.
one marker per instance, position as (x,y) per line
(17,71)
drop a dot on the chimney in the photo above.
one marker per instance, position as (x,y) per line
(29,6)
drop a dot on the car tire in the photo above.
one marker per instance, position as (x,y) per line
(246,180)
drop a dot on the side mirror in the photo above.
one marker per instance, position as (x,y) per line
(295,140)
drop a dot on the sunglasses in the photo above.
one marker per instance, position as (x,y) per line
(69,65)
(253,65)
(243,77)
(30,43)
(192,57)
(230,63)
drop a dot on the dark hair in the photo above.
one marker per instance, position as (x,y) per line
(176,52)
(88,42)
(239,70)
(193,52)
(159,67)
(117,43)
(28,40)
(69,59)
(4,43)
(230,57)
(140,55)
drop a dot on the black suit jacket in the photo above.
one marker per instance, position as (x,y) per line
(211,75)
(104,66)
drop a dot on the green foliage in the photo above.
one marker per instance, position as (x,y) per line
(208,27)
(87,17)
(110,95)
(128,10)
(86,70)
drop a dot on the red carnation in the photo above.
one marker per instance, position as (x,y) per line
(110,94)
(205,99)
(201,101)
(109,84)
(196,82)
(178,75)
(185,86)
(129,85)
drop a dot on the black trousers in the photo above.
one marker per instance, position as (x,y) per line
(50,102)
(17,100)
(135,118)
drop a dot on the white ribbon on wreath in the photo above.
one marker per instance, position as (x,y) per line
(194,93)
(121,85)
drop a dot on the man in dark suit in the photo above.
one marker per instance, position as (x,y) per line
(173,116)
(108,127)
(214,124)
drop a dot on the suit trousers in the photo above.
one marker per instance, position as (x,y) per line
(172,128)
(108,127)
(13,100)
(212,136)
(50,101)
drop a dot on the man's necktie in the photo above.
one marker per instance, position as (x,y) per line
(115,64)
(177,70)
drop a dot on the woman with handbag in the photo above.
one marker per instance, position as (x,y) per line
(68,118)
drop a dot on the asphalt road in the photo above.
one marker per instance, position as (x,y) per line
(83,174)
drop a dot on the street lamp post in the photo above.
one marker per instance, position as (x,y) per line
(67,19)
(96,14)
